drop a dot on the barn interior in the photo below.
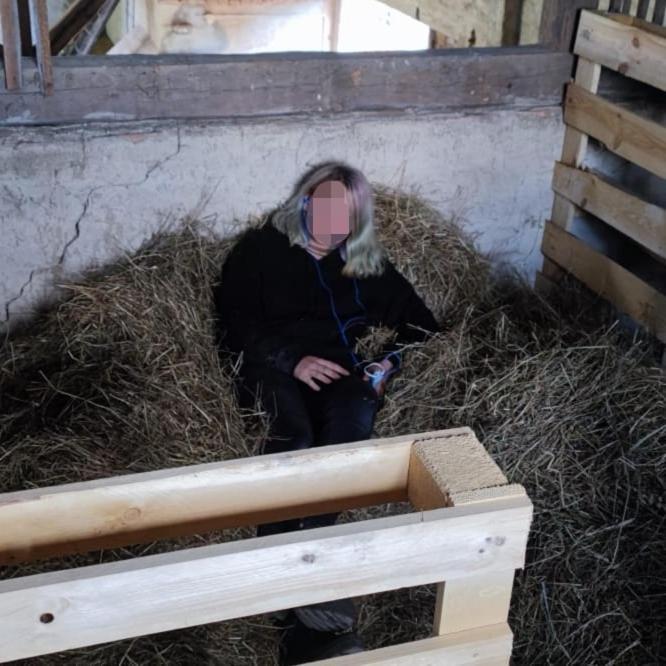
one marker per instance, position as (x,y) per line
(517,152)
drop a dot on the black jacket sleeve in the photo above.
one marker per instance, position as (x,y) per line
(406,313)
(241,326)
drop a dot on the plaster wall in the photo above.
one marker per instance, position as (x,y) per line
(73,197)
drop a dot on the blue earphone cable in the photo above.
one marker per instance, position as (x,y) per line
(375,377)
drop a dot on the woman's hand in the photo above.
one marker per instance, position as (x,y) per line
(386,364)
(310,368)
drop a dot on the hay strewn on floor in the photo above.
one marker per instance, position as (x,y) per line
(122,376)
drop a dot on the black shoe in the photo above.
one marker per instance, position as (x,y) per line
(302,644)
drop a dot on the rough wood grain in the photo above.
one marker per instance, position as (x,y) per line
(610,280)
(625,47)
(627,134)
(118,600)
(643,222)
(138,87)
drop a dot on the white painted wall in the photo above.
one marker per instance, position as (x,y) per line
(118,184)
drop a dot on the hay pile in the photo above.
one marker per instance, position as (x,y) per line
(122,376)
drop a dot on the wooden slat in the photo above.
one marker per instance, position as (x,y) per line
(611,281)
(139,508)
(40,29)
(588,74)
(643,222)
(11,40)
(459,472)
(623,47)
(157,593)
(638,140)
(261,85)
(24,23)
(512,21)
(483,646)
(659,12)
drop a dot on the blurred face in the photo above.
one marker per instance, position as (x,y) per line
(328,213)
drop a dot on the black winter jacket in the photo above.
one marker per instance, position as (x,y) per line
(274,304)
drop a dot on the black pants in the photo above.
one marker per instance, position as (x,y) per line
(342,411)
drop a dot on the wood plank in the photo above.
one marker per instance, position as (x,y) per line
(136,87)
(483,646)
(623,47)
(627,134)
(659,16)
(558,22)
(641,221)
(40,30)
(459,472)
(139,508)
(512,21)
(11,40)
(628,293)
(643,9)
(574,149)
(157,593)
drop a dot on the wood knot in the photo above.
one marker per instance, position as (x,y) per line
(623,68)
(309,558)
(132,513)
(636,42)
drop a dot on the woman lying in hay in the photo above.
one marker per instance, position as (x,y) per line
(295,296)
(123,375)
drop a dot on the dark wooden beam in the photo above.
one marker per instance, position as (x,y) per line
(643,6)
(513,14)
(559,21)
(11,39)
(659,12)
(40,29)
(137,87)
(24,23)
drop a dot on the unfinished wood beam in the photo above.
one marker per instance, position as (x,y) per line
(119,600)
(11,40)
(632,47)
(457,471)
(627,134)
(641,221)
(139,508)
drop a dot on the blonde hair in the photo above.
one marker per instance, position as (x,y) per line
(365,254)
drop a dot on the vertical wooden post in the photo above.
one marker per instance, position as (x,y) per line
(511,24)
(559,20)
(40,32)
(11,41)
(456,471)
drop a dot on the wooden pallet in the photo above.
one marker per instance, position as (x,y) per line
(468,533)
(636,49)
